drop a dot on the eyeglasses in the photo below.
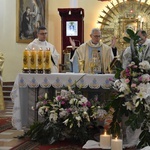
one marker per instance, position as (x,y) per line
(97,36)
(43,33)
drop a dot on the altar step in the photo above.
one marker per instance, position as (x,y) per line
(7,87)
(8,110)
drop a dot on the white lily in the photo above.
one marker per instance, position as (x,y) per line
(46,96)
(129,105)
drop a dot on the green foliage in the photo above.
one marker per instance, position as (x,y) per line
(144,139)
(126,39)
(133,40)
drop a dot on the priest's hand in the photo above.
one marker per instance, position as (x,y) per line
(72,42)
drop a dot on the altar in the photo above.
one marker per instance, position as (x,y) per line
(28,87)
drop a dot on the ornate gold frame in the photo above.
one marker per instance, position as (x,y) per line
(120,15)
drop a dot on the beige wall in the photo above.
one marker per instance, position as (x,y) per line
(13,51)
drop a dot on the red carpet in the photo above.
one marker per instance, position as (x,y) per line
(5,123)
(62,145)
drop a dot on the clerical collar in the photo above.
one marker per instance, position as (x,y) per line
(94,44)
(40,41)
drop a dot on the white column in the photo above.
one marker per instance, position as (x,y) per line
(73,3)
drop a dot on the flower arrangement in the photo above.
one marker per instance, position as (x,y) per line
(68,115)
(131,99)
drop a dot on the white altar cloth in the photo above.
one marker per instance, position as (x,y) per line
(20,92)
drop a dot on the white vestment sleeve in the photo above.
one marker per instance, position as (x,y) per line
(126,58)
(74,63)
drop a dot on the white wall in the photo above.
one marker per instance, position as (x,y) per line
(13,51)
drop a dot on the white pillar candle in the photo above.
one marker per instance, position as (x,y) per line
(105,140)
(116,144)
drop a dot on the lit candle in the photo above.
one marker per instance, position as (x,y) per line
(40,59)
(116,144)
(33,59)
(47,55)
(26,59)
(105,140)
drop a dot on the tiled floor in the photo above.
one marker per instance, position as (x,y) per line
(7,138)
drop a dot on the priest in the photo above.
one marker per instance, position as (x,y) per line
(93,50)
(41,43)
(143,50)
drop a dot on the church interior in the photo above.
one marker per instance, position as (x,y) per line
(112,17)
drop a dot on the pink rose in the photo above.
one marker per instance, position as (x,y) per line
(133,85)
(127,80)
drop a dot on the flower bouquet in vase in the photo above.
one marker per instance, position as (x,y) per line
(69,115)
(131,99)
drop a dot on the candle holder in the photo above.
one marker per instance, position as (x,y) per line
(47,71)
(40,71)
(32,70)
(25,70)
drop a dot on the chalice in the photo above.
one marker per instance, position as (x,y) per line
(81,66)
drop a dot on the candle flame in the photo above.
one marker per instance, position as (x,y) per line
(116,138)
(105,133)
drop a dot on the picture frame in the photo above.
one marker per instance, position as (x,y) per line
(30,14)
(71,28)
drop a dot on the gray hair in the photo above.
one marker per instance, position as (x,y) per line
(95,29)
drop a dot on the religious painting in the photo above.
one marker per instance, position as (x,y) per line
(71,28)
(31,14)
(124,24)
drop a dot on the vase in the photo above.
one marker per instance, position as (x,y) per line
(130,137)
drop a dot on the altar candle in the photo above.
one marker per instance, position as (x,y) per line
(26,59)
(116,144)
(33,59)
(40,59)
(47,55)
(105,140)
